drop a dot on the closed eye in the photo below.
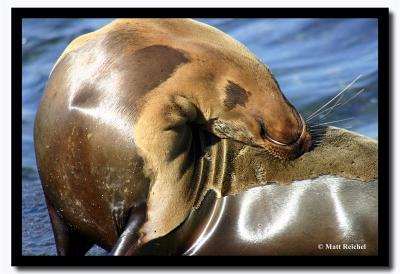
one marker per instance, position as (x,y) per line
(263,128)
(264,133)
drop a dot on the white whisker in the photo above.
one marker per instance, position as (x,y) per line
(327,123)
(335,105)
(337,95)
(339,105)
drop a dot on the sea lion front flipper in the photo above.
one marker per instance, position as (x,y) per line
(129,241)
(164,137)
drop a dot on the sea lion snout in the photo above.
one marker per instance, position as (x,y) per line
(283,128)
(286,141)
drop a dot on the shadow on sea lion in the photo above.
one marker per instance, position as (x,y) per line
(125,133)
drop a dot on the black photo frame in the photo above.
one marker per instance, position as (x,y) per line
(382,14)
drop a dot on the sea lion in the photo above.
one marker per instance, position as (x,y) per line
(323,203)
(324,216)
(115,133)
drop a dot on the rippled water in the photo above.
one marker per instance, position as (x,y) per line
(312,60)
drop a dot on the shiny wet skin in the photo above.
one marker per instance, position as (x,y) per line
(324,216)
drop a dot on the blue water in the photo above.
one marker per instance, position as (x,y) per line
(312,60)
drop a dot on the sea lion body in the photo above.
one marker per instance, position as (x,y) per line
(113,134)
(327,216)
(323,203)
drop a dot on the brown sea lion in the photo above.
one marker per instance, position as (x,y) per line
(323,203)
(116,131)
(323,216)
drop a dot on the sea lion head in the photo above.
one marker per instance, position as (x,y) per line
(256,112)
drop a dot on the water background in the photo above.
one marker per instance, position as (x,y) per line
(312,60)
